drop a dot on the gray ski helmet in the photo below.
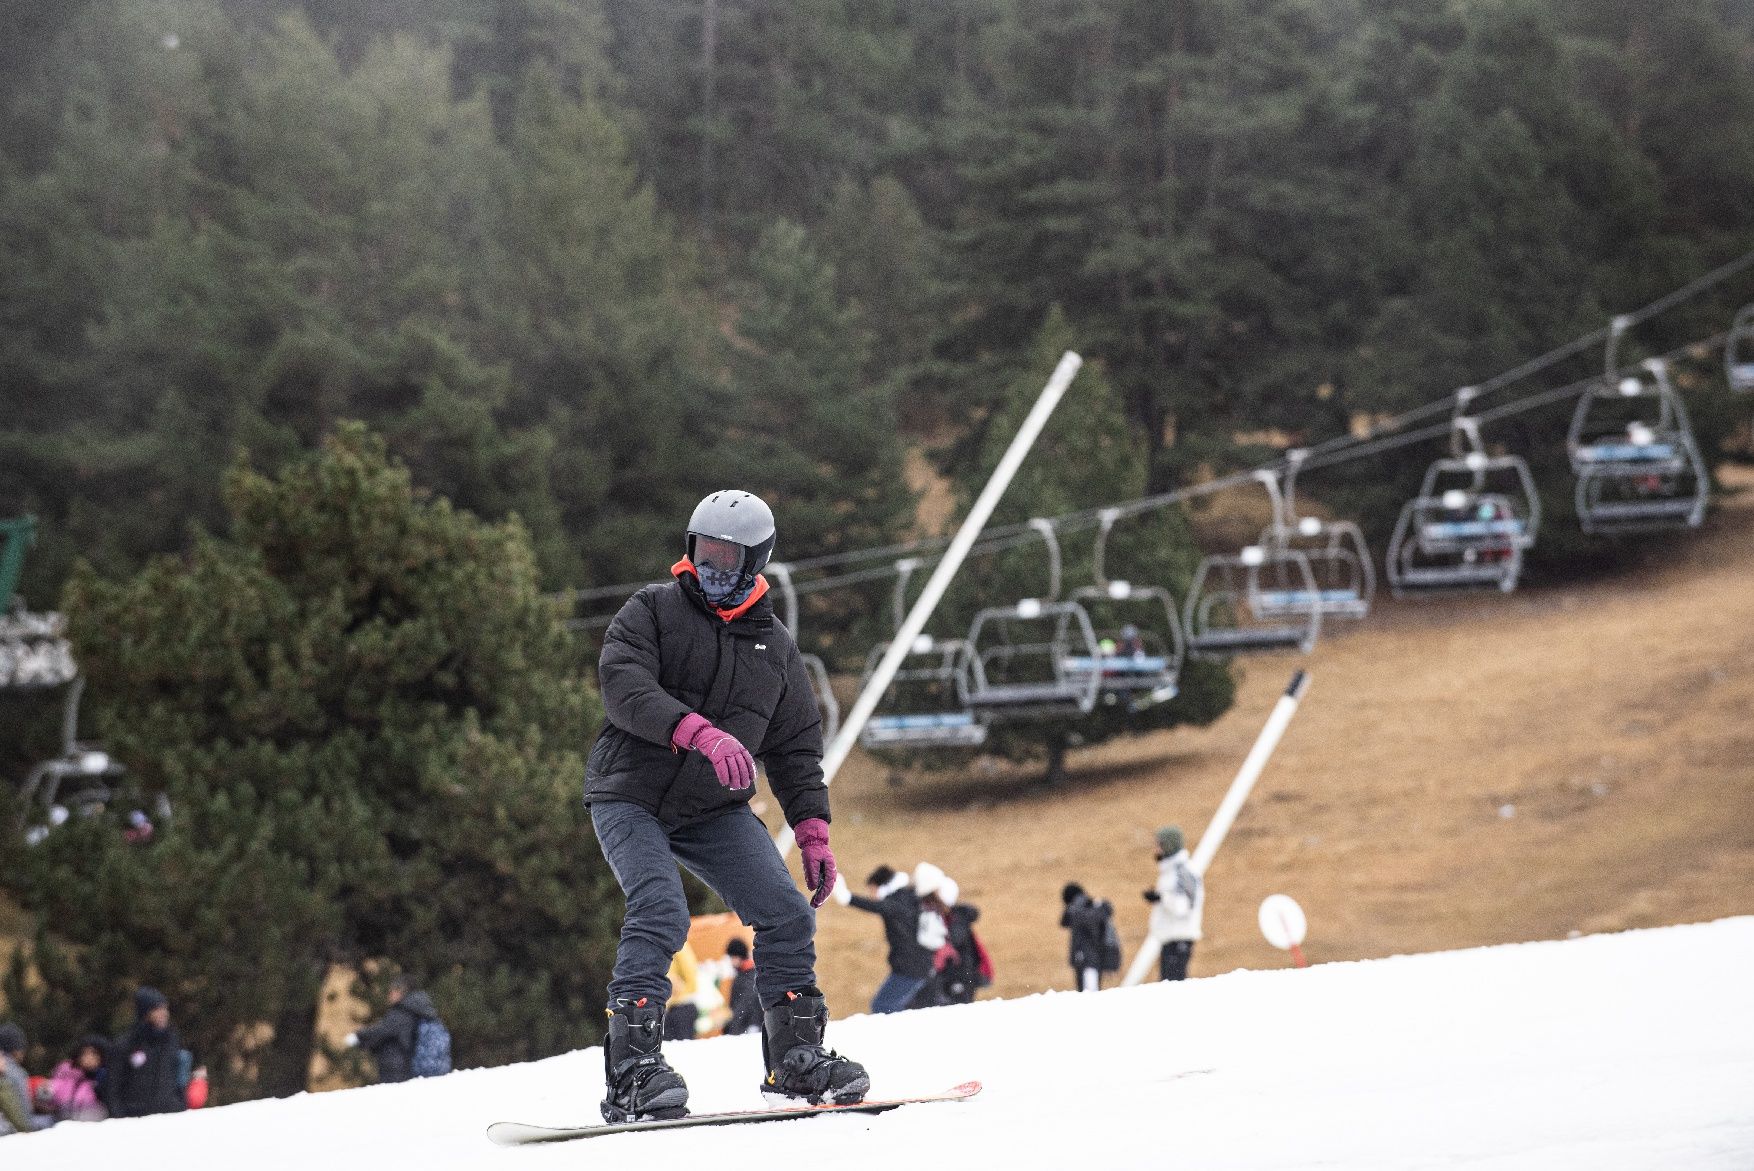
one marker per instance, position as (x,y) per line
(737,516)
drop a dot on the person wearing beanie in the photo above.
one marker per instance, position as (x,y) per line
(961,961)
(145,1074)
(1177,904)
(744,999)
(894,900)
(701,680)
(1095,946)
(15,1099)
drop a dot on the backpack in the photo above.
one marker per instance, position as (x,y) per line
(984,962)
(1111,940)
(432,1048)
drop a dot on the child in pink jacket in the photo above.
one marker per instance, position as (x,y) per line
(77,1084)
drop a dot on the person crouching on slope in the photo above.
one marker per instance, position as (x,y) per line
(700,680)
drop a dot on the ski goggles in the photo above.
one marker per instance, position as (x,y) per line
(719,556)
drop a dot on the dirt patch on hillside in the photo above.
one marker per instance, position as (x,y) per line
(1464,771)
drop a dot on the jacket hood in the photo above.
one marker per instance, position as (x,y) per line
(899,882)
(419,1003)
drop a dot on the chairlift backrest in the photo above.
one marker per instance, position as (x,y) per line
(1739,352)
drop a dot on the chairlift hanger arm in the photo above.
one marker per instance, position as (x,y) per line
(1046,528)
(782,574)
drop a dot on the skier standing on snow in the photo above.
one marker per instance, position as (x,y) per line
(1177,902)
(699,680)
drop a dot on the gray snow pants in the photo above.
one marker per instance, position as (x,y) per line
(733,855)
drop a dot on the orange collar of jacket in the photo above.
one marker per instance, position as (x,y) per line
(755,595)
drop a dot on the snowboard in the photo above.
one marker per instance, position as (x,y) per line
(516,1134)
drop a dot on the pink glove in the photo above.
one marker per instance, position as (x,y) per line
(732,763)
(819,871)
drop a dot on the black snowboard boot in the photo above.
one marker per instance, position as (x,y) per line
(639,1083)
(799,1069)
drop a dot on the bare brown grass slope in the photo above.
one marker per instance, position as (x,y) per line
(1464,771)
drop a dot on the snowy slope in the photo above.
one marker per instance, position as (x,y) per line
(1622,1051)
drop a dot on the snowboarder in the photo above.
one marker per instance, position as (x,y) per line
(699,680)
(1177,902)
(393,1040)
(1095,947)
(910,964)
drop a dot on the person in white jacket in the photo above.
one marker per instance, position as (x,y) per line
(1177,902)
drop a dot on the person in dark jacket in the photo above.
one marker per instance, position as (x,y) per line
(745,1000)
(145,1062)
(892,898)
(960,975)
(391,1040)
(1094,947)
(699,681)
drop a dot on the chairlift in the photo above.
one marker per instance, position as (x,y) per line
(1339,558)
(924,705)
(1739,352)
(1638,465)
(826,703)
(1037,658)
(1474,517)
(1258,600)
(1139,637)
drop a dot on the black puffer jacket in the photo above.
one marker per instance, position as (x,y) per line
(391,1040)
(901,930)
(1088,920)
(144,1073)
(668,654)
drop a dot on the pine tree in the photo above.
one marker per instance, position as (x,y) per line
(812,432)
(369,726)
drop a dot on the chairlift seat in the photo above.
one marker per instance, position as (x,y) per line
(1253,638)
(1642,510)
(1293,599)
(1117,664)
(1043,698)
(1629,453)
(1438,533)
(1500,574)
(924,730)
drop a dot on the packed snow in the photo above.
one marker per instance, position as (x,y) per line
(1618,1051)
